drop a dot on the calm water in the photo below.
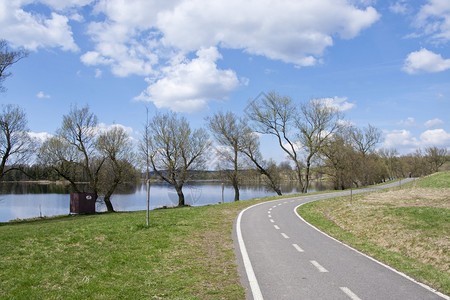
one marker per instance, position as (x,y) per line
(29,200)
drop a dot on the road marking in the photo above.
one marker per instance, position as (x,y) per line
(272,221)
(292,201)
(285,202)
(349,293)
(254,286)
(297,247)
(274,206)
(367,256)
(318,266)
(270,216)
(276,227)
(280,204)
(284,235)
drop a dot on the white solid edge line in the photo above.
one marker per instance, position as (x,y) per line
(254,286)
(349,293)
(373,259)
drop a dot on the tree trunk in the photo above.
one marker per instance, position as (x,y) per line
(308,168)
(236,191)
(299,174)
(109,206)
(277,190)
(180,196)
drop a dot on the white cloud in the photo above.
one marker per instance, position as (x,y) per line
(188,86)
(34,30)
(425,61)
(405,142)
(298,146)
(42,95)
(141,37)
(65,4)
(102,127)
(346,123)
(339,103)
(408,122)
(400,139)
(435,137)
(434,19)
(399,7)
(98,73)
(292,31)
(433,123)
(40,136)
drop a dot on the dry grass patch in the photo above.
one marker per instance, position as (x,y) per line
(412,222)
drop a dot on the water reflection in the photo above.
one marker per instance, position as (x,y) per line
(29,200)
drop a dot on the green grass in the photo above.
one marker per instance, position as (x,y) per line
(186,253)
(438,180)
(407,229)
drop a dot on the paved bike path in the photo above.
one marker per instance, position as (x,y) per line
(281,256)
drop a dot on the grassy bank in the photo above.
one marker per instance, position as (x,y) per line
(185,253)
(406,228)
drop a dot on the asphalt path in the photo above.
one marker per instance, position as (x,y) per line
(280,256)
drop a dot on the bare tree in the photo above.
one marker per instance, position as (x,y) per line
(436,157)
(341,161)
(229,132)
(276,115)
(144,149)
(63,159)
(176,149)
(74,151)
(15,144)
(317,123)
(391,161)
(7,59)
(79,130)
(115,146)
(266,168)
(364,141)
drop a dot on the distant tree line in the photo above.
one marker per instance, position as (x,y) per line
(315,139)
(313,135)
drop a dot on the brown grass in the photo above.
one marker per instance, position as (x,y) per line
(374,216)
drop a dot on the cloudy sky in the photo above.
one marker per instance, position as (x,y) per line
(385,63)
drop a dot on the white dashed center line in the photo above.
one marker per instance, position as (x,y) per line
(284,235)
(297,247)
(276,227)
(318,266)
(349,293)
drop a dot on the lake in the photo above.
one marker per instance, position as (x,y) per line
(30,200)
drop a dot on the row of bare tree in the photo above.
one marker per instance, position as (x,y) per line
(313,135)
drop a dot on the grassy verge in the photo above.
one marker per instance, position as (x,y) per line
(186,253)
(406,228)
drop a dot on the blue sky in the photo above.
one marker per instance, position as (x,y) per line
(385,63)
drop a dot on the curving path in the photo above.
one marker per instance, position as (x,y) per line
(280,256)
